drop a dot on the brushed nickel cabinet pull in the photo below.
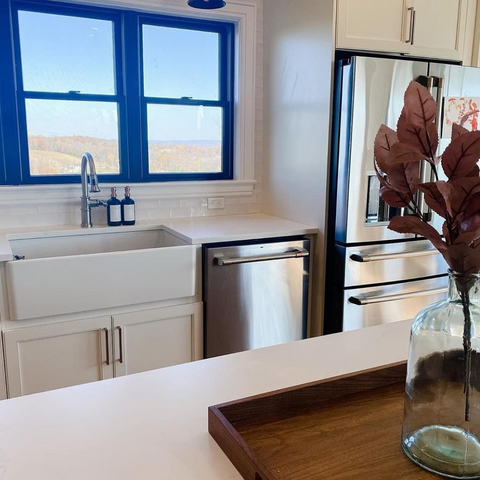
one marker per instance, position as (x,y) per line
(120,341)
(108,348)
(411,26)
(414,16)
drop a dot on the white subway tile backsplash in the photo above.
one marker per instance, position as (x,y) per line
(12,221)
(171,203)
(190,202)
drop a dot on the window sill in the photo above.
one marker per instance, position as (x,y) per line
(28,194)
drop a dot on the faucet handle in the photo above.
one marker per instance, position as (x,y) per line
(97,203)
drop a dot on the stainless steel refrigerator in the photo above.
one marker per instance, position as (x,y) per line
(375,275)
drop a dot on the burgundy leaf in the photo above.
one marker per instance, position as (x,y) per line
(475,172)
(461,156)
(394,198)
(467,238)
(386,137)
(447,191)
(404,177)
(465,190)
(381,178)
(458,130)
(470,220)
(471,224)
(434,198)
(446,232)
(414,225)
(420,107)
(404,153)
(462,258)
(423,140)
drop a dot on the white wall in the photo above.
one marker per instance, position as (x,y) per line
(298,37)
(40,207)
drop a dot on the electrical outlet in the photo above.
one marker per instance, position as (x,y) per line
(216,203)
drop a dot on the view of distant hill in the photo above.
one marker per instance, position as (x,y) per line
(62,155)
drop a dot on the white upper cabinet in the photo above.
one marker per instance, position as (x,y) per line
(420,28)
(439,29)
(377,25)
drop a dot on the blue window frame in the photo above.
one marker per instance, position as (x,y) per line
(159,120)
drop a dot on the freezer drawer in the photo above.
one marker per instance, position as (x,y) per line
(255,296)
(378,264)
(366,307)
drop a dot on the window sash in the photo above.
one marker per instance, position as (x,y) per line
(226,95)
(129,84)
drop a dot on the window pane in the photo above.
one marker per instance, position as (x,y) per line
(62,53)
(180,63)
(60,132)
(184,139)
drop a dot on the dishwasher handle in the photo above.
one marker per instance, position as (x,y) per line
(223,261)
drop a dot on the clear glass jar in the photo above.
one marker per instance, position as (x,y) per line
(441,428)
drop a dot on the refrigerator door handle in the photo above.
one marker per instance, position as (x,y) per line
(363,300)
(222,261)
(436,82)
(391,256)
(426,173)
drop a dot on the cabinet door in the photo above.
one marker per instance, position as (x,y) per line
(3,383)
(58,355)
(439,29)
(158,338)
(378,25)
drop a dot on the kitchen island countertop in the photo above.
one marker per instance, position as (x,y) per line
(153,426)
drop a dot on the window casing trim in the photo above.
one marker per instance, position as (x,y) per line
(244,14)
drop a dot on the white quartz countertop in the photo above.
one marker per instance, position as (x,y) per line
(195,231)
(153,426)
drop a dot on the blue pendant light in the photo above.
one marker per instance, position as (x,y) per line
(206,4)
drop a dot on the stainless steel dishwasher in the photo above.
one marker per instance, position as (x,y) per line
(256,295)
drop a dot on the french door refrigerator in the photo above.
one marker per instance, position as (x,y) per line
(375,275)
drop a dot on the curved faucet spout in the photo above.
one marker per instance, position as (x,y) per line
(87,160)
(87,204)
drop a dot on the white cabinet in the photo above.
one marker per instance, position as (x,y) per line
(51,356)
(157,338)
(421,28)
(372,25)
(3,383)
(439,28)
(58,355)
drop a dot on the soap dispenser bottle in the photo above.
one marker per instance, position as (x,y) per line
(128,208)
(114,212)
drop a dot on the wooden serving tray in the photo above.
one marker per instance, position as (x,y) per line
(345,428)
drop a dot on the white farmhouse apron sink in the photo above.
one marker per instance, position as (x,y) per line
(63,274)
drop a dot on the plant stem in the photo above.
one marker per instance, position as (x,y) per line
(467,347)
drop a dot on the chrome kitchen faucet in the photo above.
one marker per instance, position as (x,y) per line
(87,203)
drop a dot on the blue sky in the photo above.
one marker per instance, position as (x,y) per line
(61,53)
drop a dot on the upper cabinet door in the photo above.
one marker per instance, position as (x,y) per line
(378,25)
(439,29)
